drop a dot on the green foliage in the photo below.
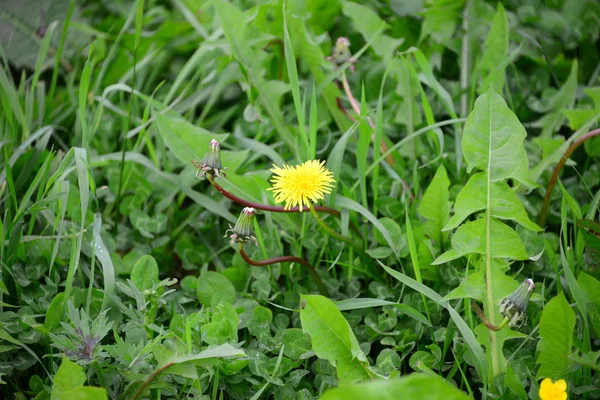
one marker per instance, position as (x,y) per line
(413,387)
(442,123)
(556,338)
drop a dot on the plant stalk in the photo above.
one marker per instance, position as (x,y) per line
(274,260)
(278,209)
(557,169)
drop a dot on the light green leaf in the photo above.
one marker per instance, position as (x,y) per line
(435,205)
(296,343)
(358,303)
(492,65)
(473,286)
(69,376)
(223,325)
(557,326)
(86,393)
(493,141)
(563,99)
(590,287)
(471,238)
(213,287)
(368,23)
(504,203)
(333,339)
(580,116)
(415,386)
(144,274)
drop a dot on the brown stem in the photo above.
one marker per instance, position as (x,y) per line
(487,323)
(278,209)
(557,169)
(145,384)
(293,259)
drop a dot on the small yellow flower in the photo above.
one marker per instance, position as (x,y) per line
(553,390)
(301,185)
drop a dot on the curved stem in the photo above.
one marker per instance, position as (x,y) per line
(294,259)
(487,323)
(152,376)
(557,169)
(278,209)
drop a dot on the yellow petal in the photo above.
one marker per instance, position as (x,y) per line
(561,385)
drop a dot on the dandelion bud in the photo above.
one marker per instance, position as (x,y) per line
(514,306)
(243,230)
(341,52)
(211,163)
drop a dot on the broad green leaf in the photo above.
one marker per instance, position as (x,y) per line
(563,99)
(504,203)
(223,326)
(493,141)
(591,293)
(358,303)
(492,64)
(435,205)
(86,393)
(296,343)
(368,23)
(473,286)
(69,376)
(415,386)
(144,274)
(237,32)
(580,116)
(557,326)
(471,238)
(189,142)
(441,19)
(333,339)
(213,287)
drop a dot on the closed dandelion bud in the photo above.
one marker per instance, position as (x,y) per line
(243,230)
(514,306)
(211,163)
(341,51)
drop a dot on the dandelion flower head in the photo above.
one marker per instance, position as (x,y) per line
(553,390)
(301,185)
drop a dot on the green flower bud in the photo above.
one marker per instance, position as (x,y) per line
(243,230)
(514,306)
(211,163)
(341,52)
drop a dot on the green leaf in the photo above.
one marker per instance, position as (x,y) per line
(504,203)
(557,326)
(435,205)
(333,339)
(69,376)
(86,393)
(144,274)
(580,116)
(213,287)
(223,325)
(553,120)
(358,303)
(590,287)
(473,286)
(368,23)
(295,343)
(471,238)
(415,386)
(492,64)
(493,141)
(189,142)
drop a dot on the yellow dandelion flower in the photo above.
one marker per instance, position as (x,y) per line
(301,185)
(553,390)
